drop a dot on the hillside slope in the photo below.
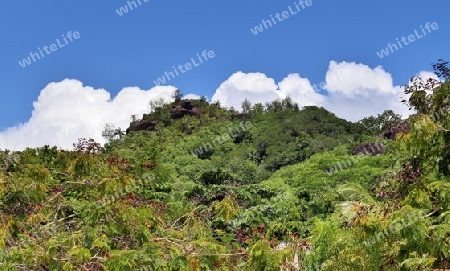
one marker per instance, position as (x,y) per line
(208,188)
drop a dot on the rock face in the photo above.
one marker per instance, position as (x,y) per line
(240,116)
(176,112)
(380,148)
(370,149)
(186,108)
(142,125)
(391,133)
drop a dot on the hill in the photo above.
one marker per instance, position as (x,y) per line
(195,186)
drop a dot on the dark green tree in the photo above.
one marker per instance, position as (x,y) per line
(375,125)
(177,96)
(246,106)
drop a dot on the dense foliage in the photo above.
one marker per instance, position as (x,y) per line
(272,187)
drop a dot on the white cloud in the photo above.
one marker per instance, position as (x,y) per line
(67,110)
(300,90)
(351,91)
(351,79)
(426,75)
(258,88)
(356,91)
(191,96)
(423,79)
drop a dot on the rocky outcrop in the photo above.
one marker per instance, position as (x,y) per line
(369,149)
(392,132)
(240,116)
(142,125)
(379,148)
(186,108)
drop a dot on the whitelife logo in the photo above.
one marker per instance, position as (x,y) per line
(50,49)
(411,38)
(131,5)
(206,55)
(301,5)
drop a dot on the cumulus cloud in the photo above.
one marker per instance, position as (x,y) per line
(255,87)
(427,74)
(67,110)
(258,88)
(350,90)
(191,96)
(423,78)
(300,90)
(350,79)
(356,91)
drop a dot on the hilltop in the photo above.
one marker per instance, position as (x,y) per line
(192,185)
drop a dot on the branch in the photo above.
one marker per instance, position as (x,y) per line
(219,254)
(167,240)
(178,219)
(432,213)
(82,183)
(441,128)
(61,219)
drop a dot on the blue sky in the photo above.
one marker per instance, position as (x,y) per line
(115,51)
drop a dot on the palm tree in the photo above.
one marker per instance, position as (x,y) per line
(119,133)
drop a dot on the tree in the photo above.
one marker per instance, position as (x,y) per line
(282,104)
(89,146)
(108,132)
(257,109)
(203,101)
(159,111)
(431,99)
(177,96)
(157,103)
(287,103)
(375,125)
(119,133)
(246,106)
(421,90)
(442,69)
(111,133)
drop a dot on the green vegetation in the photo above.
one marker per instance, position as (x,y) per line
(214,189)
